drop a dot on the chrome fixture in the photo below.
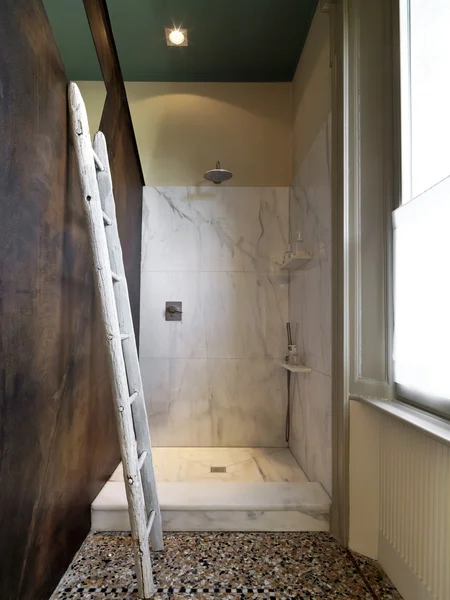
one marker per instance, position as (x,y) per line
(218,175)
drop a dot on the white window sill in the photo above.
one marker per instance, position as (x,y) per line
(437,428)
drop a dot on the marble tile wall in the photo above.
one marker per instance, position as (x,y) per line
(214,379)
(310,307)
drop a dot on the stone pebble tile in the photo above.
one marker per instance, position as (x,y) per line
(376,578)
(221,565)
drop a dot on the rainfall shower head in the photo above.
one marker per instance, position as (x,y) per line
(218,175)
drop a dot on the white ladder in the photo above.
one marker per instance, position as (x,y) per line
(112,289)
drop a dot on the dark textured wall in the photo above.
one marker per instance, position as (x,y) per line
(126,170)
(58,441)
(128,187)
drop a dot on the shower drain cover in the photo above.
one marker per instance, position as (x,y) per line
(218,469)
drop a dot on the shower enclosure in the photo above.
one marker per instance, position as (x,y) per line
(213,378)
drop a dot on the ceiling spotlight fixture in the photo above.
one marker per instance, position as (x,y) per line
(176,37)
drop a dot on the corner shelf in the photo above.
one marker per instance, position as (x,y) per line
(296,262)
(296,368)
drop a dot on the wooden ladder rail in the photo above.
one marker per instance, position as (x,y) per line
(112,289)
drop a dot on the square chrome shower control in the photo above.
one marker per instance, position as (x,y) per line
(173,311)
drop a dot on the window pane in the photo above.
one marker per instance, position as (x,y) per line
(430,92)
(422,294)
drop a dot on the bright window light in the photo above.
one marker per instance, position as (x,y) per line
(422,292)
(422,222)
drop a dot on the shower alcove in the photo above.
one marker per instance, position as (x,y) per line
(214,382)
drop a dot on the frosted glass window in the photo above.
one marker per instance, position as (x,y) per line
(422,297)
(426,61)
(422,222)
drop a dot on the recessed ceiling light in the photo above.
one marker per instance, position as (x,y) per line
(176,37)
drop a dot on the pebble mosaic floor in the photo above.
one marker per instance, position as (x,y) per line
(201,566)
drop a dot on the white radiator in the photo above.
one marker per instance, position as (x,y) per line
(415,511)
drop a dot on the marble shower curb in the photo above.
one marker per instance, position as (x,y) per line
(222,507)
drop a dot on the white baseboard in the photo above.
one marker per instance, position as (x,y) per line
(402,576)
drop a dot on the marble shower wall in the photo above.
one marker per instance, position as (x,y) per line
(214,379)
(310,307)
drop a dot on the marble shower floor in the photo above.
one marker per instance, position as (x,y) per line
(215,566)
(222,489)
(244,465)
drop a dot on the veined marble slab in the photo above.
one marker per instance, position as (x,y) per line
(310,496)
(215,249)
(224,402)
(222,507)
(311,427)
(310,197)
(214,229)
(245,465)
(310,306)
(243,521)
(225,315)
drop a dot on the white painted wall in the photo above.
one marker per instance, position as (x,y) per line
(311,89)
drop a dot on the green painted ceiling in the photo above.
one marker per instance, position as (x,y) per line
(229,40)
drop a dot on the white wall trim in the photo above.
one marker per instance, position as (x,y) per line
(339,45)
(402,576)
(435,427)
(370,191)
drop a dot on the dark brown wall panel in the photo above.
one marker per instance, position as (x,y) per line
(126,170)
(58,440)
(128,188)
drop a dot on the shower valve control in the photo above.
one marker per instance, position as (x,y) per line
(173,311)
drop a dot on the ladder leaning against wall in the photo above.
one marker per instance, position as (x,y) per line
(112,292)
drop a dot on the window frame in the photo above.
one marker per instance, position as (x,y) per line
(434,405)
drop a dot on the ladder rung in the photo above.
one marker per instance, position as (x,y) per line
(141,459)
(98,163)
(133,397)
(124,336)
(106,219)
(115,276)
(151,520)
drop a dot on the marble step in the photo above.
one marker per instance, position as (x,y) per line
(187,506)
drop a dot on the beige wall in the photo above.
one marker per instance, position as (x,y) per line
(183,128)
(364,478)
(94,96)
(311,89)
